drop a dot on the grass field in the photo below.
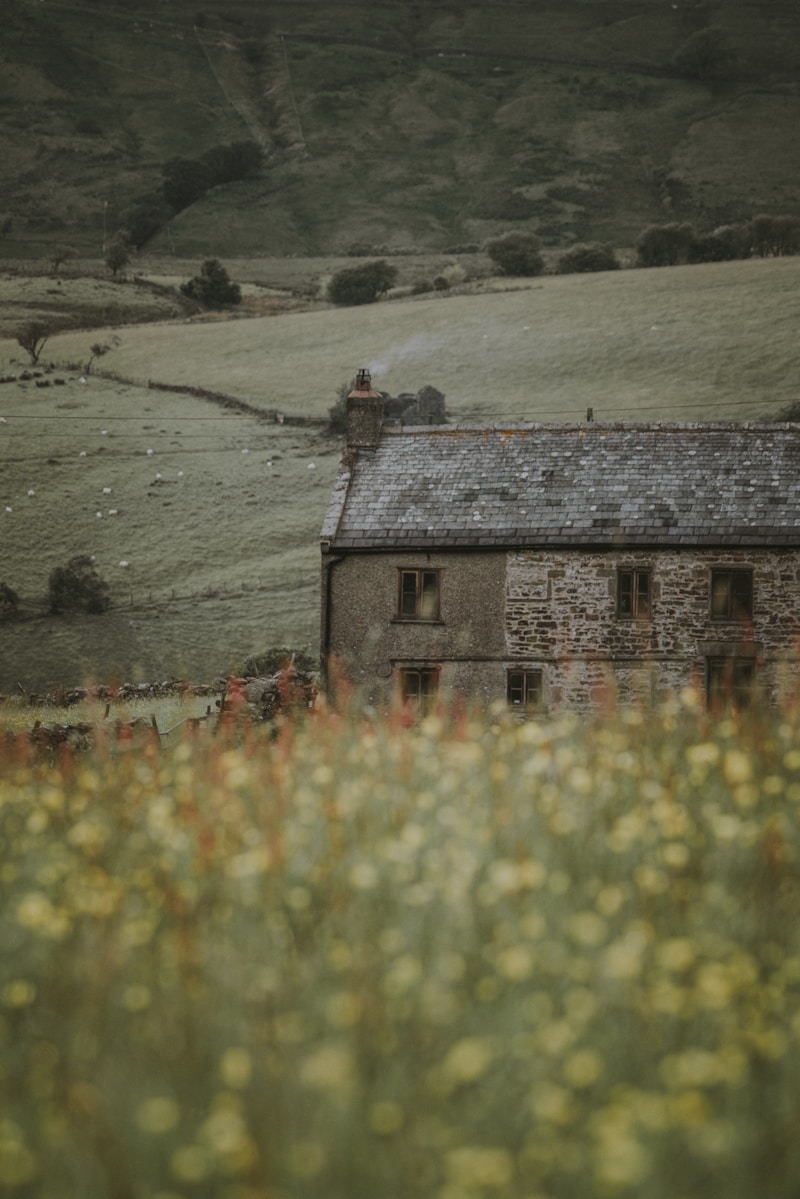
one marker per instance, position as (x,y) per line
(477,960)
(223,557)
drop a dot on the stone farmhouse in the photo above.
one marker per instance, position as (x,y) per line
(554,565)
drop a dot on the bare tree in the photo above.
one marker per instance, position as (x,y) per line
(62,254)
(32,336)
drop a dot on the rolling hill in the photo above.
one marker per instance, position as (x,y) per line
(394,124)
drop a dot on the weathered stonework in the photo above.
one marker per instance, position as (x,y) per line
(561,617)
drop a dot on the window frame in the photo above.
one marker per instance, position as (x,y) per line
(417,612)
(734,610)
(423,699)
(531,679)
(641,598)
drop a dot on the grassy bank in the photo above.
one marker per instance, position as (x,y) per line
(473,959)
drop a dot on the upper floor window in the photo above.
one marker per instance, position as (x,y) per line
(524,688)
(633,594)
(731,594)
(418,594)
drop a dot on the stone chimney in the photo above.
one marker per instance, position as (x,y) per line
(364,414)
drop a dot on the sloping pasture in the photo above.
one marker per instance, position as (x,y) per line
(203,521)
(687,343)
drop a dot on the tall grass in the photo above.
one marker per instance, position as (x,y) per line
(467,959)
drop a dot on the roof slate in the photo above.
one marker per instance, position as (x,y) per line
(571,485)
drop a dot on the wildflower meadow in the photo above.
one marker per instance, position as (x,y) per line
(470,959)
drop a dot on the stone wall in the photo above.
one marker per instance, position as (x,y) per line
(560,616)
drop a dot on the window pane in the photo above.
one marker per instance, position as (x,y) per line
(625,593)
(408,593)
(410,686)
(742,593)
(642,593)
(720,592)
(429,606)
(516,687)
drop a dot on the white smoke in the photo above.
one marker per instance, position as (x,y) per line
(417,349)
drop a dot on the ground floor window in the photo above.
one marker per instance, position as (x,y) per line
(524,688)
(419,686)
(730,681)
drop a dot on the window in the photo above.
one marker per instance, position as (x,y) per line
(633,594)
(419,687)
(524,688)
(418,595)
(731,594)
(730,681)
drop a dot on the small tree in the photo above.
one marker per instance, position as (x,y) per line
(118,252)
(664,245)
(77,587)
(32,336)
(99,349)
(775,236)
(60,255)
(516,253)
(213,287)
(584,258)
(726,244)
(362,284)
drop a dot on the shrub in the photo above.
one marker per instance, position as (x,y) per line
(77,587)
(213,287)
(591,256)
(775,236)
(726,244)
(665,245)
(516,253)
(362,284)
(270,661)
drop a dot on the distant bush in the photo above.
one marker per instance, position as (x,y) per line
(362,284)
(726,244)
(665,245)
(516,253)
(421,287)
(146,218)
(775,236)
(77,587)
(591,256)
(213,287)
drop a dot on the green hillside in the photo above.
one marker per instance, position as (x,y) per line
(395,124)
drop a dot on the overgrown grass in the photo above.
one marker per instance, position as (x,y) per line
(467,959)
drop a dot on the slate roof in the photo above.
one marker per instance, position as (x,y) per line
(588,485)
